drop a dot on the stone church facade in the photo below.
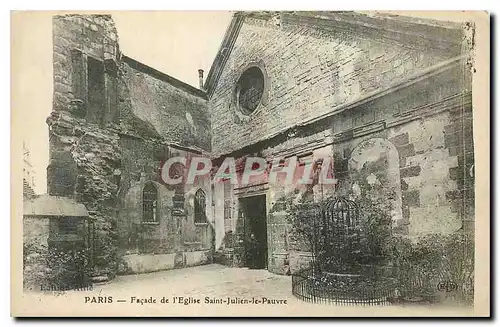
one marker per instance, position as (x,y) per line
(388,98)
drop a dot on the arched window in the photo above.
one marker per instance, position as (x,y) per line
(149,203)
(199,207)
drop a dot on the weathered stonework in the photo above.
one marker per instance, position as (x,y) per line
(113,124)
(396,111)
(392,109)
(311,71)
(36,230)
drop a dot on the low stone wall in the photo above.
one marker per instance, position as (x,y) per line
(144,263)
(196,258)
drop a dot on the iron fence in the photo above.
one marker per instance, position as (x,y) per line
(343,289)
(351,266)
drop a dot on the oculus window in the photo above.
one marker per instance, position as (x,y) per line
(249,90)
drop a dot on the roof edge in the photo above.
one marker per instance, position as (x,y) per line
(137,65)
(222,55)
(372,24)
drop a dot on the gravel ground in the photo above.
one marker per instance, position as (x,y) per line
(210,290)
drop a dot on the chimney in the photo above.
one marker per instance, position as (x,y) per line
(200,76)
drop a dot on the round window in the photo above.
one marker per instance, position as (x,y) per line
(250,89)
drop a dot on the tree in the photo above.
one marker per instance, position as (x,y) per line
(340,234)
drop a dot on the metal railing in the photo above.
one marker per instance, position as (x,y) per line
(345,289)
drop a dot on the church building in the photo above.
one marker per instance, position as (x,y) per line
(387,97)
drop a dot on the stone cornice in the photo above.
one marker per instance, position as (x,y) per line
(325,120)
(425,74)
(406,31)
(450,103)
(409,32)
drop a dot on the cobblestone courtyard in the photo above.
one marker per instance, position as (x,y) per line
(206,281)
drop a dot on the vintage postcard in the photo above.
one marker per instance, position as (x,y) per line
(265,163)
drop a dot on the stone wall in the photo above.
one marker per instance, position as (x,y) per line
(83,123)
(403,142)
(311,69)
(176,111)
(175,230)
(342,92)
(112,123)
(420,182)
(137,264)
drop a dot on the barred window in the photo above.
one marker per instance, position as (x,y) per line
(149,203)
(199,207)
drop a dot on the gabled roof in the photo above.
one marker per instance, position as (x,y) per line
(49,206)
(416,33)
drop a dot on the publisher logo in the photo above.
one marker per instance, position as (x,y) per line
(447,286)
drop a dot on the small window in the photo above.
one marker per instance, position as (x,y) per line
(96,95)
(79,77)
(250,89)
(94,87)
(200,216)
(150,203)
